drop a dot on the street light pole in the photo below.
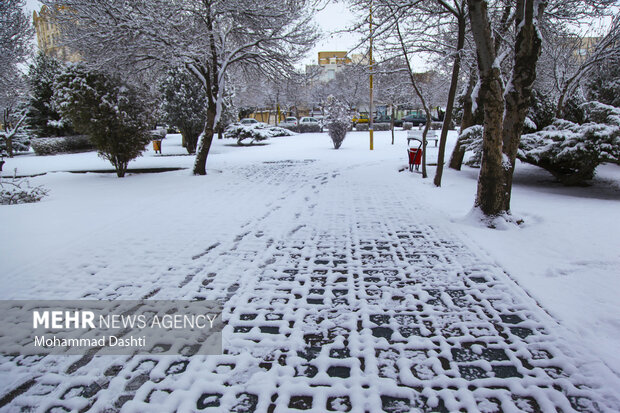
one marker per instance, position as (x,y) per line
(370,126)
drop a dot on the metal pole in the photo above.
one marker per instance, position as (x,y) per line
(370,113)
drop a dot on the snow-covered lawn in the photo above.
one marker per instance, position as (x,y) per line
(176,236)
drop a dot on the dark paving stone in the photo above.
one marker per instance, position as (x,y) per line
(504,372)
(339,353)
(137,382)
(246,403)
(409,331)
(309,353)
(395,404)
(269,330)
(339,371)
(510,318)
(380,319)
(300,402)
(478,280)
(339,404)
(306,370)
(472,372)
(242,329)
(494,354)
(208,400)
(122,400)
(521,332)
(382,332)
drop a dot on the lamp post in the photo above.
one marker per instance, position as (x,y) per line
(370,122)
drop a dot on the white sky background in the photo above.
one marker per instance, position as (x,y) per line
(334,17)
(32,5)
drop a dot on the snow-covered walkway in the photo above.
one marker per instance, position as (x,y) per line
(342,291)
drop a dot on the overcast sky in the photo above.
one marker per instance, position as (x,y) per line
(334,17)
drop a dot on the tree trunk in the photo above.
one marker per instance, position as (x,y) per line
(502,130)
(9,146)
(392,124)
(456,160)
(450,105)
(490,194)
(527,51)
(200,164)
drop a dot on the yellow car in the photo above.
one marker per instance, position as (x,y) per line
(362,118)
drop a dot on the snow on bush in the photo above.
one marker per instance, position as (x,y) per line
(337,120)
(184,103)
(571,152)
(471,140)
(20,141)
(381,126)
(529,125)
(52,146)
(114,115)
(541,113)
(407,126)
(361,127)
(255,133)
(19,191)
(309,128)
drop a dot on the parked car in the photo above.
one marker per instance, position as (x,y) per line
(249,121)
(416,119)
(382,119)
(309,124)
(289,123)
(307,120)
(319,118)
(361,118)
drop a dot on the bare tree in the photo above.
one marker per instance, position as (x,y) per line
(393,86)
(572,61)
(206,37)
(459,11)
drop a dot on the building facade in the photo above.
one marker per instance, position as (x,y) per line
(48,37)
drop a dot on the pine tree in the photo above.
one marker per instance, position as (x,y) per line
(184,105)
(110,112)
(43,118)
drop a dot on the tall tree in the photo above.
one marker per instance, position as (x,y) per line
(206,37)
(459,11)
(15,47)
(504,113)
(505,107)
(184,103)
(43,117)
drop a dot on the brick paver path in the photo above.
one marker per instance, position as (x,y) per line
(342,293)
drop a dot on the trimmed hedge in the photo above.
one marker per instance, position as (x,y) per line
(407,126)
(308,128)
(381,126)
(51,146)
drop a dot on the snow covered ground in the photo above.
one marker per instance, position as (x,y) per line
(307,239)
